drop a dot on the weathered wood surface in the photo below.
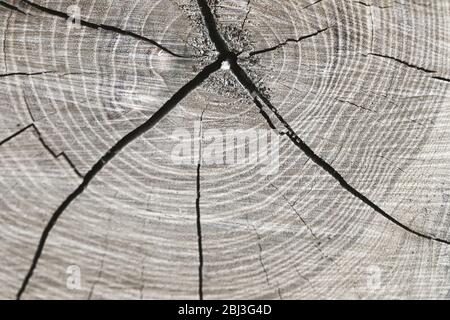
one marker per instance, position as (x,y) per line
(365,84)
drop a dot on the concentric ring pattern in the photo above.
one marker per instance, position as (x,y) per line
(176,214)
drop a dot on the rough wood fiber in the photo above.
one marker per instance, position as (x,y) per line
(364,84)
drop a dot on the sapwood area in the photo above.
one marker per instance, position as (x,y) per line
(354,93)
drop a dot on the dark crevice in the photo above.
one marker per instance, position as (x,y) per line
(12,74)
(288,41)
(401,61)
(111,153)
(211,25)
(199,222)
(199,236)
(441,79)
(11,7)
(56,156)
(15,134)
(109,28)
(44,144)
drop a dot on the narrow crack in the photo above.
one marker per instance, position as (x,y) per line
(12,74)
(105,27)
(371,5)
(261,261)
(45,145)
(102,262)
(197,208)
(400,61)
(296,212)
(355,105)
(111,153)
(97,280)
(245,19)
(279,293)
(5,56)
(441,79)
(142,275)
(306,279)
(15,134)
(317,241)
(312,4)
(37,73)
(288,41)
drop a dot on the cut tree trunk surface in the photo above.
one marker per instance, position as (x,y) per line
(120,177)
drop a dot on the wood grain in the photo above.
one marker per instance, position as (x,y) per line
(364,85)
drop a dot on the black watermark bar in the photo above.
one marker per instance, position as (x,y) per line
(227,309)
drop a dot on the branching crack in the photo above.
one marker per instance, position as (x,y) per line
(105,27)
(45,145)
(111,153)
(288,41)
(260,100)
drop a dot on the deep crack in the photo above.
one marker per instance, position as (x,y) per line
(197,208)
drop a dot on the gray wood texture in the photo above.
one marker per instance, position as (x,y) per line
(363,84)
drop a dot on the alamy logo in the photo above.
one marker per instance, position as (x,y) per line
(73,281)
(374,280)
(74,19)
(232,147)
